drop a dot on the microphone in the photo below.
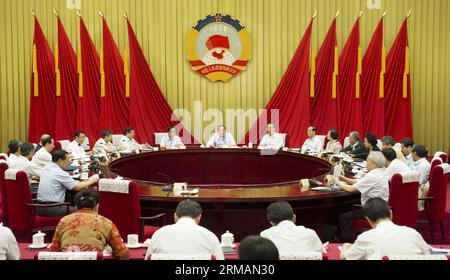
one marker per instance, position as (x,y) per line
(168,187)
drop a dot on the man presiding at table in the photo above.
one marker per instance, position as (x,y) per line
(171,141)
(271,140)
(221,139)
(75,147)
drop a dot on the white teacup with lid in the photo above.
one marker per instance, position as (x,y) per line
(227,239)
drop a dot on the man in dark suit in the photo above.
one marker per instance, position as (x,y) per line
(356,147)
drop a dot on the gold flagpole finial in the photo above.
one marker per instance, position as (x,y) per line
(337,13)
(125,15)
(360,14)
(409,13)
(101,14)
(315,14)
(384,14)
(55,11)
(78,12)
(33,12)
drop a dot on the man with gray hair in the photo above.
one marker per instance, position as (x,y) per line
(271,140)
(356,147)
(373,184)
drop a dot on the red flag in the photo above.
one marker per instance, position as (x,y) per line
(291,99)
(114,106)
(42,96)
(350,68)
(398,117)
(149,110)
(372,82)
(66,87)
(89,90)
(324,104)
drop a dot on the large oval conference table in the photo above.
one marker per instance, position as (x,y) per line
(235,186)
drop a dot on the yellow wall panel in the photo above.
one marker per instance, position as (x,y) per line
(275,27)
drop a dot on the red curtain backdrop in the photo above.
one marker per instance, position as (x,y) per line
(89,95)
(149,110)
(398,116)
(114,106)
(291,99)
(66,103)
(43,87)
(372,103)
(350,104)
(325,108)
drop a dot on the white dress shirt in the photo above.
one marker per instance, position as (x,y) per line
(130,145)
(374,184)
(53,184)
(185,237)
(9,249)
(387,239)
(76,149)
(312,145)
(409,161)
(423,167)
(396,166)
(173,143)
(333,147)
(218,141)
(20,163)
(40,159)
(272,142)
(289,238)
(101,146)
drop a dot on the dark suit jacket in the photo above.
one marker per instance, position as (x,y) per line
(359,151)
(364,153)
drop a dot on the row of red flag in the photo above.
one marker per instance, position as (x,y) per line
(348,92)
(77,78)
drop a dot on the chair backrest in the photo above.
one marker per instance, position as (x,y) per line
(86,144)
(3,156)
(379,144)
(403,198)
(18,196)
(435,161)
(443,156)
(322,138)
(64,144)
(58,146)
(119,202)
(439,257)
(284,135)
(346,142)
(67,256)
(174,257)
(438,190)
(304,256)
(3,199)
(116,139)
(159,136)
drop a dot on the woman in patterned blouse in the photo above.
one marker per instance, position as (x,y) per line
(86,230)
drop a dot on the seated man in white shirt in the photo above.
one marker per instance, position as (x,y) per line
(388,142)
(42,157)
(254,248)
(407,144)
(23,161)
(75,147)
(393,165)
(288,237)
(313,145)
(373,184)
(420,163)
(171,141)
(186,236)
(104,145)
(9,249)
(130,145)
(14,152)
(271,140)
(221,139)
(55,182)
(385,238)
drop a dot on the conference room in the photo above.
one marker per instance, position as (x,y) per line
(256,130)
